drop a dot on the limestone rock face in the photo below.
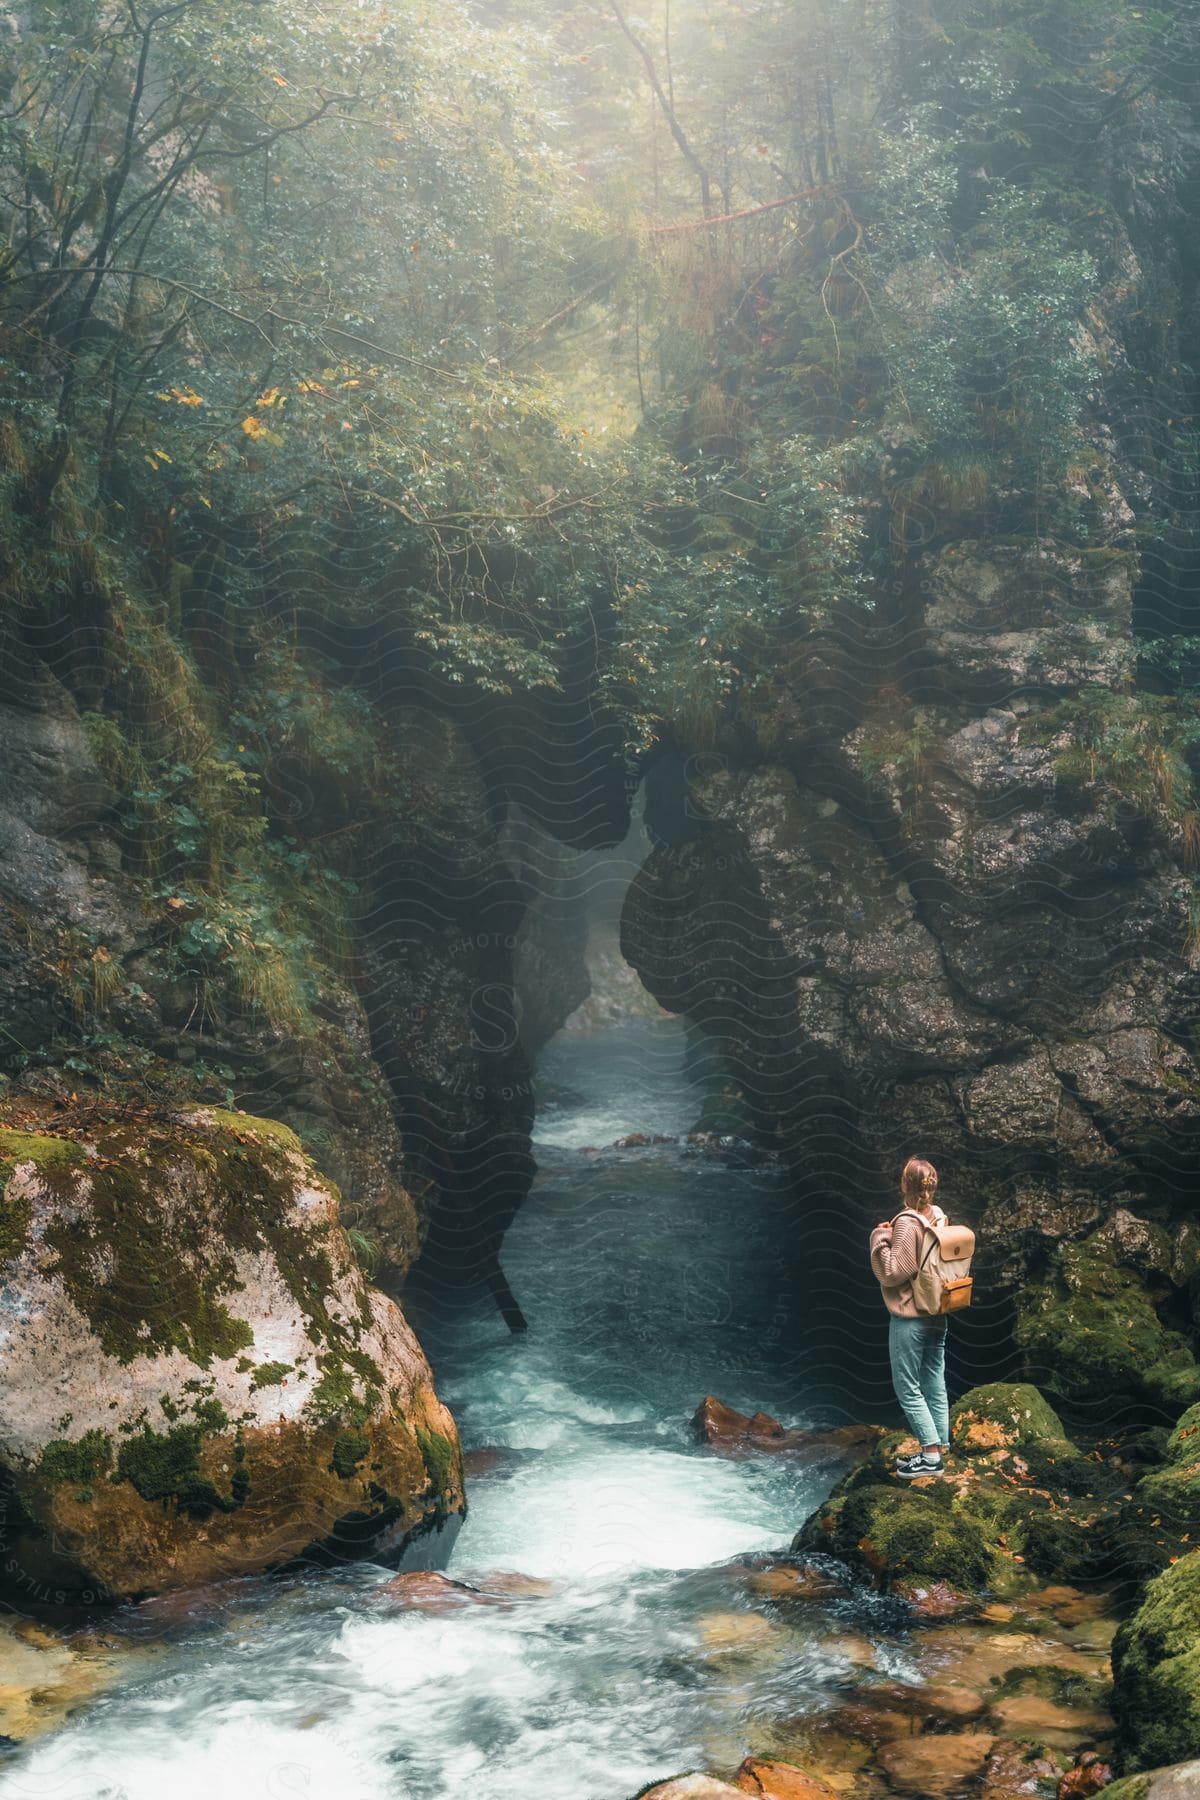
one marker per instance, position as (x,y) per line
(942,927)
(196,1381)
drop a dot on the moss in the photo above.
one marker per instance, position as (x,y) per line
(1156,1669)
(81,1460)
(905,1532)
(1133,1787)
(166,1466)
(1003,1413)
(53,1158)
(440,1457)
(269,1374)
(349,1449)
(337,1395)
(266,1131)
(1092,1332)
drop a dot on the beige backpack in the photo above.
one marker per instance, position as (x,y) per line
(942,1283)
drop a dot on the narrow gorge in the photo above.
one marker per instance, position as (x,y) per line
(598,647)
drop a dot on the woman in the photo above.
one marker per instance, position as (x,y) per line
(916,1341)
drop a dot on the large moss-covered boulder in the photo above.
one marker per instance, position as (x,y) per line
(1018,1500)
(195,1378)
(1156,1671)
(1090,1331)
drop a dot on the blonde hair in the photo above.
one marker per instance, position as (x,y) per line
(918,1182)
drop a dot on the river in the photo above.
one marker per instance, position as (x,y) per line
(650,1277)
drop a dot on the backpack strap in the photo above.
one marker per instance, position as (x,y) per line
(926,1225)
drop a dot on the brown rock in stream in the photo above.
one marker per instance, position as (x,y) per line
(693,1787)
(424,1590)
(936,1767)
(1017,1772)
(780,1781)
(1063,1727)
(731,1433)
(1090,1775)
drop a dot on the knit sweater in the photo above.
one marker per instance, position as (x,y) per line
(895,1258)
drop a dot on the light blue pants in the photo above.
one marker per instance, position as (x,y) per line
(917,1348)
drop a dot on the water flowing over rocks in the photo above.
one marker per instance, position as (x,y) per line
(196,1380)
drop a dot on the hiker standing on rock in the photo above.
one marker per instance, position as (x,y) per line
(916,1340)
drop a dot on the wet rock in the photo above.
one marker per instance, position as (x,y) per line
(1018,1772)
(935,1767)
(794,1581)
(737,1634)
(1156,1672)
(1179,1782)
(1088,1777)
(939,1705)
(780,1781)
(932,1599)
(428,1590)
(1047,1722)
(45,1676)
(732,1433)
(692,1787)
(195,1379)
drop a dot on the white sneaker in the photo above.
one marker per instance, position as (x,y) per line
(924,1463)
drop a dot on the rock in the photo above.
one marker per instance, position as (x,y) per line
(427,1590)
(1001,1415)
(780,1781)
(1089,1775)
(195,1379)
(794,1581)
(692,1787)
(1065,1727)
(1162,1515)
(1068,1605)
(903,1533)
(1017,1772)
(932,1599)
(736,1633)
(731,1433)
(45,1676)
(1093,1328)
(934,1768)
(1179,1782)
(1156,1672)
(942,1705)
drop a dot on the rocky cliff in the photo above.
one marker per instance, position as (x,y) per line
(942,906)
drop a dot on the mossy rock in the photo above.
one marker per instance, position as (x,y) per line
(897,1532)
(1162,1517)
(1156,1672)
(199,1380)
(1179,1782)
(1002,1415)
(1091,1333)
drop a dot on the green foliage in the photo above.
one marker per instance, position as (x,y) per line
(1132,750)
